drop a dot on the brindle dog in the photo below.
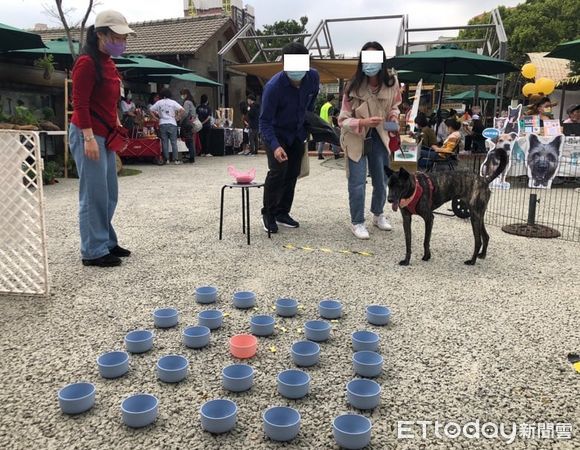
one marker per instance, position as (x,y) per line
(439,188)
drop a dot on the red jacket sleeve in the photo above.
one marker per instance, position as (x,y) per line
(83,82)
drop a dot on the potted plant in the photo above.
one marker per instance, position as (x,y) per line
(50,172)
(46,63)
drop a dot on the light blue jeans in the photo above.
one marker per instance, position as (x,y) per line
(168,133)
(98,194)
(357,176)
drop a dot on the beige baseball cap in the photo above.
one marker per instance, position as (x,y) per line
(113,20)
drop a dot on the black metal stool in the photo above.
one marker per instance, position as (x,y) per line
(245,188)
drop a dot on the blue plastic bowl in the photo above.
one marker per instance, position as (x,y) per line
(317,330)
(281,423)
(293,383)
(165,317)
(206,294)
(237,377)
(365,340)
(305,353)
(378,314)
(363,394)
(196,336)
(76,398)
(286,307)
(172,368)
(367,364)
(139,410)
(218,416)
(244,299)
(330,309)
(352,431)
(212,318)
(113,364)
(262,325)
(139,341)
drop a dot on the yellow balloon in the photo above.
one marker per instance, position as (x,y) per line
(529,89)
(529,70)
(545,85)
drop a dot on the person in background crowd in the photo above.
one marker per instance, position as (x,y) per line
(466,116)
(540,105)
(169,113)
(129,111)
(573,112)
(186,125)
(442,130)
(204,115)
(427,157)
(426,135)
(327,111)
(477,139)
(253,119)
(371,97)
(286,98)
(96,86)
(153,98)
(246,137)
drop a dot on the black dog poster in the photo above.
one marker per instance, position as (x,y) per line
(543,160)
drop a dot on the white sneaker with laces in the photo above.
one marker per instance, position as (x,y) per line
(360,230)
(177,162)
(382,223)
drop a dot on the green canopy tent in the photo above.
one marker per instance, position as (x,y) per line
(60,49)
(408,76)
(566,50)
(16,39)
(450,60)
(470,95)
(142,66)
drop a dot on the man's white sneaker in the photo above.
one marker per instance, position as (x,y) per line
(177,162)
(382,223)
(360,230)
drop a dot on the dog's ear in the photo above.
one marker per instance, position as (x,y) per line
(514,135)
(556,143)
(533,140)
(403,173)
(388,171)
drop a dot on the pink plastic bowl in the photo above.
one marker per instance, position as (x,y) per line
(244,179)
(243,345)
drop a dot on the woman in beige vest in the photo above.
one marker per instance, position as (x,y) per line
(370,99)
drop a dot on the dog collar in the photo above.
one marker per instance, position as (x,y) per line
(411,202)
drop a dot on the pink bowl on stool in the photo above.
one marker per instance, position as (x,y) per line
(243,346)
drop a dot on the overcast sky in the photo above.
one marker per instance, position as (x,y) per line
(347,37)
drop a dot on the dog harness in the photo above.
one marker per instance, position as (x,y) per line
(411,202)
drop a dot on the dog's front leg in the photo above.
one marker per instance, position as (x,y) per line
(407,229)
(428,228)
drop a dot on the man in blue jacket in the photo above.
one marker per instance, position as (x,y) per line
(286,98)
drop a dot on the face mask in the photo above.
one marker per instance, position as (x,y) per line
(296,75)
(548,109)
(183,97)
(371,69)
(115,48)
(129,96)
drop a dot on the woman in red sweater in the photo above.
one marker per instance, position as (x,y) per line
(96,91)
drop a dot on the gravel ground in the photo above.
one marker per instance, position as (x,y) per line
(487,342)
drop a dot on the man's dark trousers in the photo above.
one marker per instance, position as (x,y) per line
(281,180)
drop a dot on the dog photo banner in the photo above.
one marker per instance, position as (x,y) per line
(543,160)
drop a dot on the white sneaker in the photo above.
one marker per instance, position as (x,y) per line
(360,230)
(382,223)
(209,154)
(242,152)
(177,162)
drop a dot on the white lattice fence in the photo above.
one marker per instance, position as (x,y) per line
(23,259)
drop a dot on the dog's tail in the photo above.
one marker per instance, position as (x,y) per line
(503,160)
